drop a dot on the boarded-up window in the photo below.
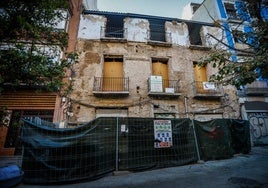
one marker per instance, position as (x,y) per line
(200,74)
(113,74)
(160,68)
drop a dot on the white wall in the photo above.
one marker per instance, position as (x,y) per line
(90,26)
(137,29)
(179,33)
(207,11)
(187,12)
(62,24)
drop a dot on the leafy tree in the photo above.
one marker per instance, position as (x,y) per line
(31,45)
(250,62)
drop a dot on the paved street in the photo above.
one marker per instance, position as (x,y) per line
(249,171)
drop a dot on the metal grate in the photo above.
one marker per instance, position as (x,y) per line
(103,145)
(53,155)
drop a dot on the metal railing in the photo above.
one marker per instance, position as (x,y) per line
(166,86)
(111,84)
(159,36)
(208,88)
(113,32)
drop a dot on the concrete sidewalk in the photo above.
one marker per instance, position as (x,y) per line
(250,170)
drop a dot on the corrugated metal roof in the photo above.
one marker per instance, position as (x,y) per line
(142,16)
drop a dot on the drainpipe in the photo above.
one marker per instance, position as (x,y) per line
(185,106)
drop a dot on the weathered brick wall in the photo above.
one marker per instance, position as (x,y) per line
(137,65)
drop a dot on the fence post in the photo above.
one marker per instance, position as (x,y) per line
(196,143)
(116,145)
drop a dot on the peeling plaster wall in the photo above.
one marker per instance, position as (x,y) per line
(90,26)
(137,29)
(179,33)
(137,66)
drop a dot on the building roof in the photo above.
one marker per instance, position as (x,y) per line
(142,16)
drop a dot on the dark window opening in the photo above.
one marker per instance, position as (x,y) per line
(238,36)
(113,59)
(114,26)
(195,6)
(157,30)
(230,10)
(194,34)
(162,60)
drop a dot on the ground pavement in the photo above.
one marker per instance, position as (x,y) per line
(243,170)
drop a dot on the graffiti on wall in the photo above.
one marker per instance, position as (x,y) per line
(259,124)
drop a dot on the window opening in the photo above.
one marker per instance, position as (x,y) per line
(238,36)
(200,74)
(194,34)
(114,26)
(195,6)
(160,68)
(157,30)
(230,10)
(113,74)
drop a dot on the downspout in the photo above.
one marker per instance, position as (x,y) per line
(185,106)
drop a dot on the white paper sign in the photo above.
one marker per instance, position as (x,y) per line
(156,84)
(209,86)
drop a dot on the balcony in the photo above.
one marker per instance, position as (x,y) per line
(115,34)
(111,86)
(257,88)
(207,90)
(163,88)
(158,38)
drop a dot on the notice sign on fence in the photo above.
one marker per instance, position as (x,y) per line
(162,133)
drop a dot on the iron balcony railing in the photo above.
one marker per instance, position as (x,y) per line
(258,87)
(113,32)
(164,86)
(208,89)
(159,36)
(111,84)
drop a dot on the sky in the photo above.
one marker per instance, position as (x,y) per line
(165,8)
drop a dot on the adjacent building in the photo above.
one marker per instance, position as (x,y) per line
(23,102)
(235,18)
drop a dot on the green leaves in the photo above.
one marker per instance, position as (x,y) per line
(251,61)
(31,49)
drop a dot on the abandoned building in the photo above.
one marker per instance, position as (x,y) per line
(135,65)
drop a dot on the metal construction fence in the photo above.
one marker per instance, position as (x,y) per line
(53,155)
